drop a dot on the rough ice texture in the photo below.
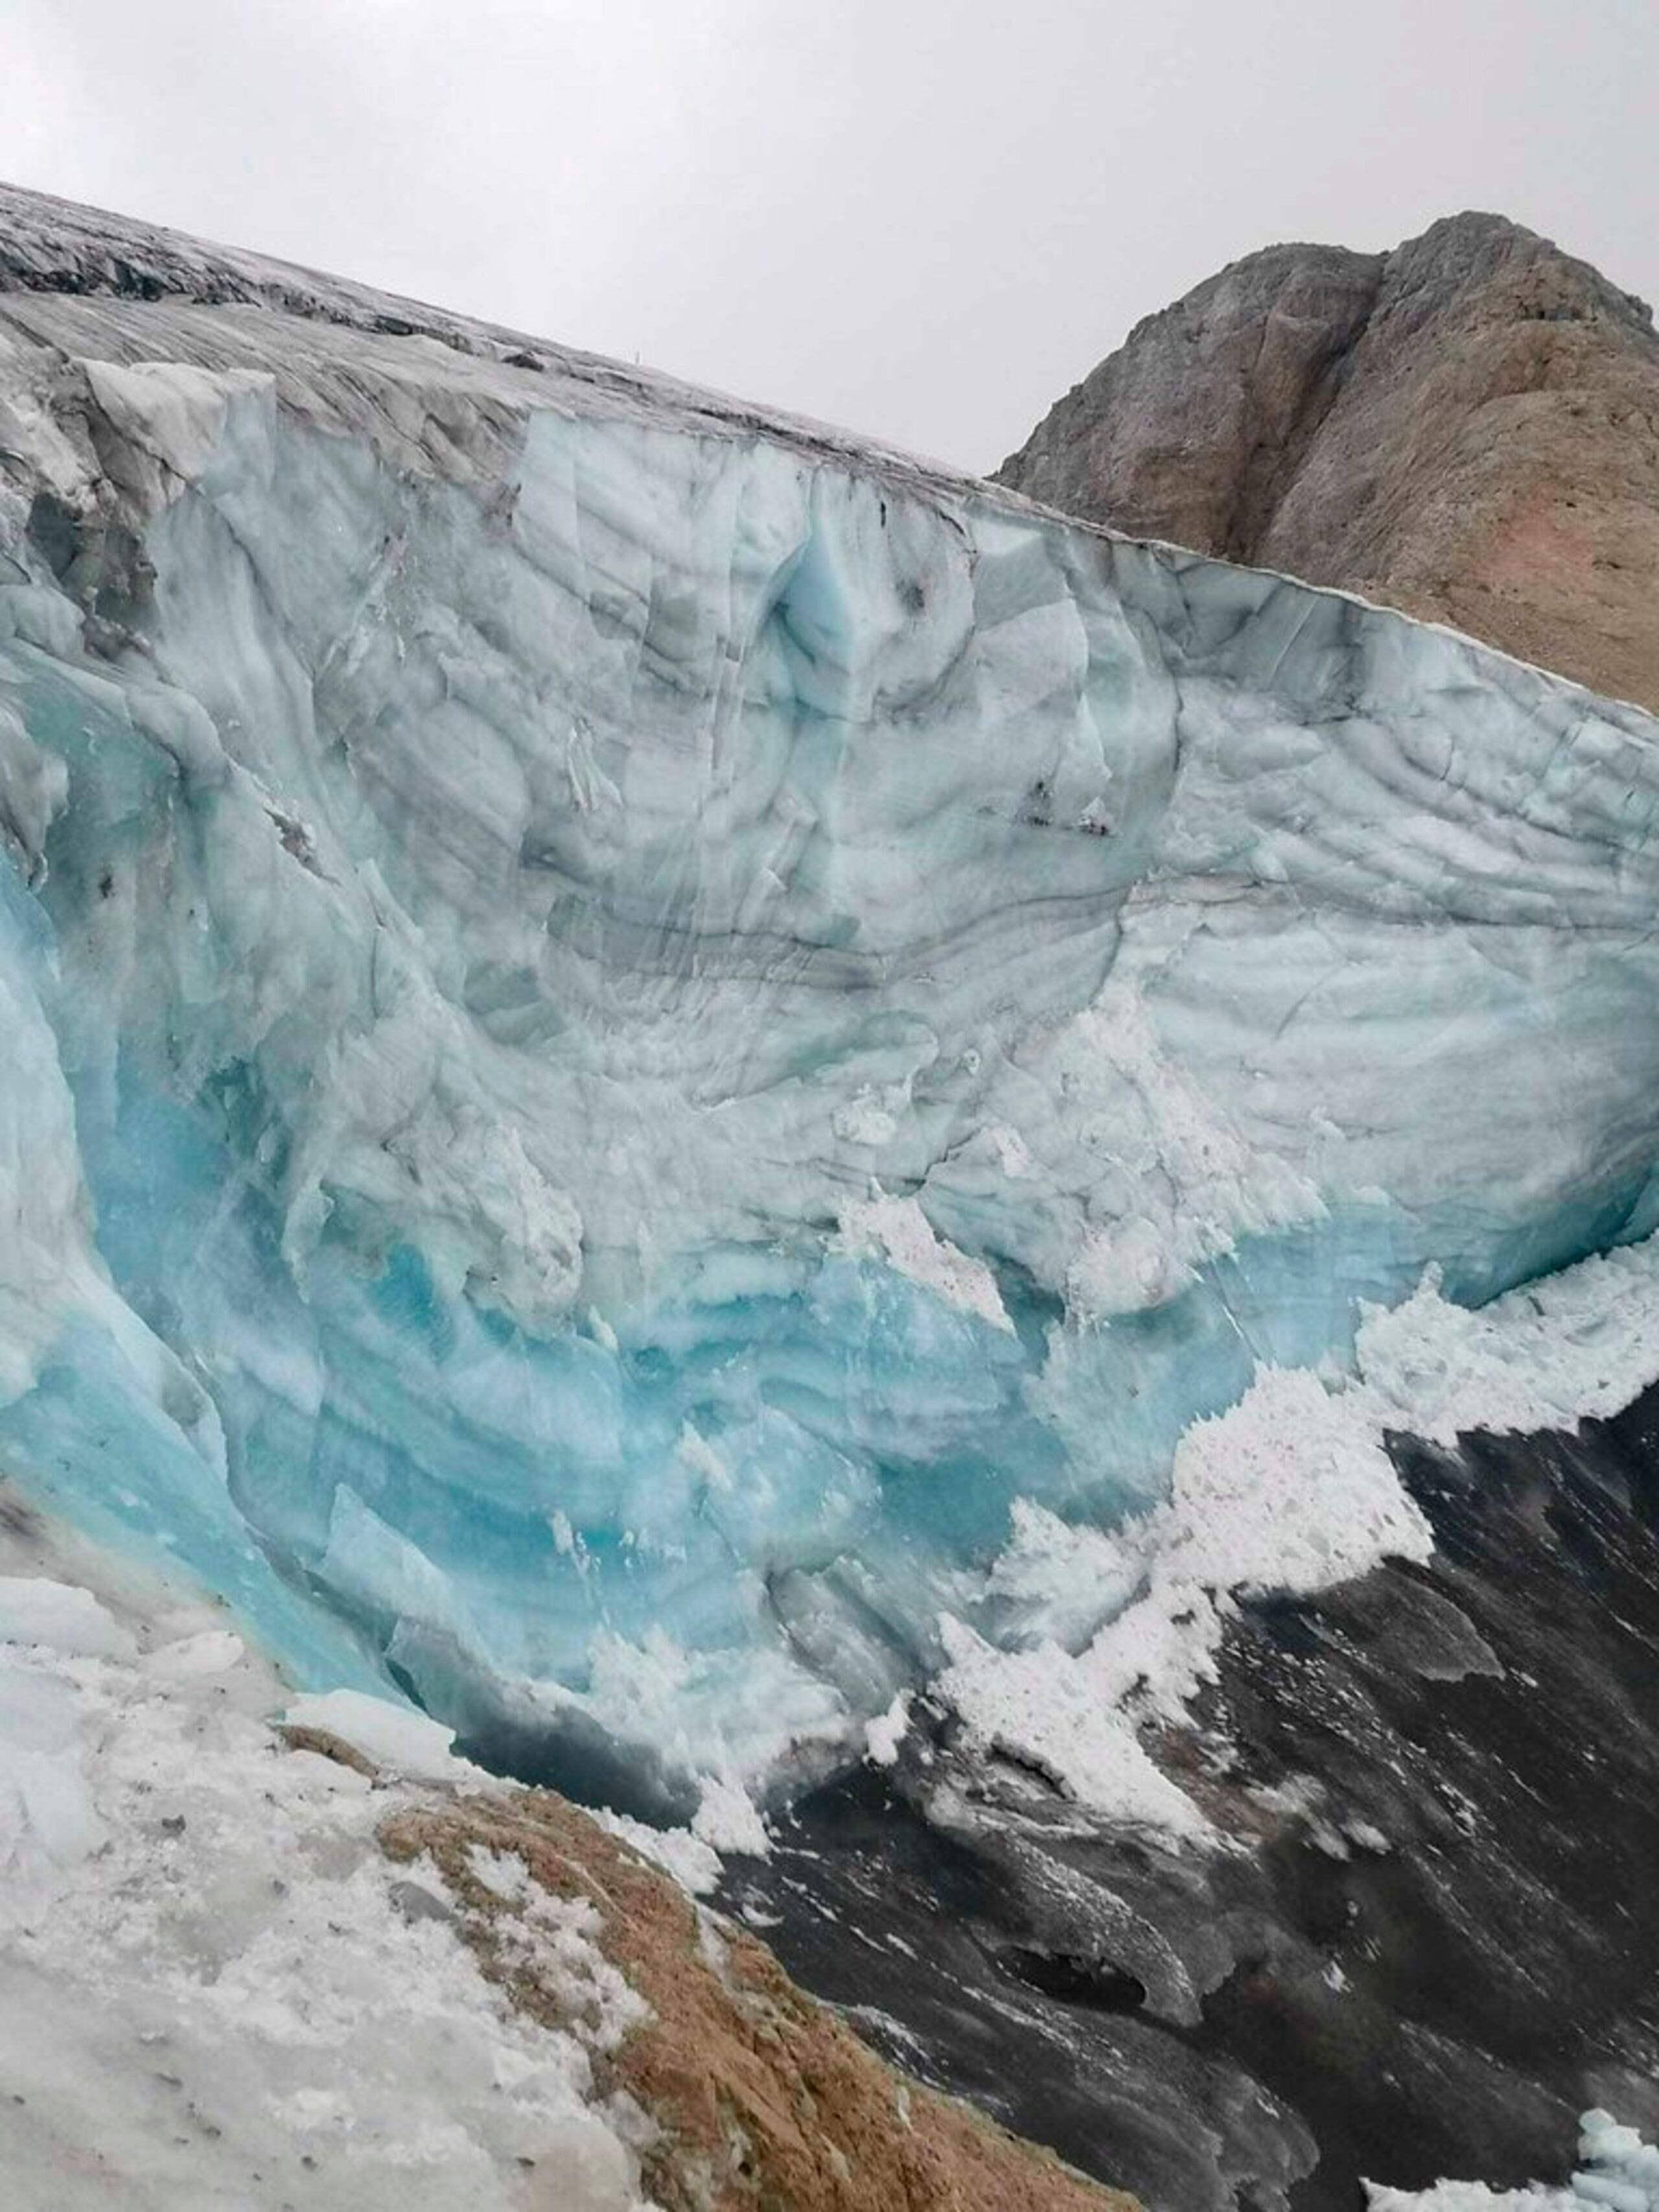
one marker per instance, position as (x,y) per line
(627,1024)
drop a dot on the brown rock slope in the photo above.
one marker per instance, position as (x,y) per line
(1467,428)
(747,2095)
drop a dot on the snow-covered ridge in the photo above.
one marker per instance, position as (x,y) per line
(628,1025)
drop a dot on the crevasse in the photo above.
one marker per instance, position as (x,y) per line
(625,1024)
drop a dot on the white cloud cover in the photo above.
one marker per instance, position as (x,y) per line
(924,222)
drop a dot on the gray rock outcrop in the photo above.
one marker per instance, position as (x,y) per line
(1467,428)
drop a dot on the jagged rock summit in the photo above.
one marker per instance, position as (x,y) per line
(1467,428)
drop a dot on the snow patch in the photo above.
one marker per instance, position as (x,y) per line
(695,1864)
(34,1610)
(1043,1707)
(883,1735)
(395,1737)
(207,1974)
(897,1230)
(726,1819)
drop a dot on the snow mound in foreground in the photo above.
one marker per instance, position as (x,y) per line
(214,1988)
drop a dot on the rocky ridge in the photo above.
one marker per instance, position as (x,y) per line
(1466,428)
(757,2096)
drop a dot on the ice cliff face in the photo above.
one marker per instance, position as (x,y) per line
(625,1024)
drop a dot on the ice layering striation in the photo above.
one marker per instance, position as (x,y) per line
(655,1058)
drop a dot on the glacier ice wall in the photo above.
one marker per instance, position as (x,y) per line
(625,1022)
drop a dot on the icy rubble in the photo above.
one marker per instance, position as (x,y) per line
(631,1028)
(1620,2173)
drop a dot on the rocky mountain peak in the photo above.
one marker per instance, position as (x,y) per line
(1467,426)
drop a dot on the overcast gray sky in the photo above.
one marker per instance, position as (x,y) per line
(922,218)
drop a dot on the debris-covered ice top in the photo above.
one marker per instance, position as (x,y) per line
(59,249)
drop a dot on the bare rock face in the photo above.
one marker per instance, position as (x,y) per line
(1467,428)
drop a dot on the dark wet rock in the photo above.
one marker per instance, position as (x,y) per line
(1437,1940)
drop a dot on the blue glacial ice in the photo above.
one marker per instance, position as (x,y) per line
(626,1022)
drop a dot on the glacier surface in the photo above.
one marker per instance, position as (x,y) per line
(637,1035)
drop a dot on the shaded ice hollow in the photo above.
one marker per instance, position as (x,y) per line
(655,1062)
